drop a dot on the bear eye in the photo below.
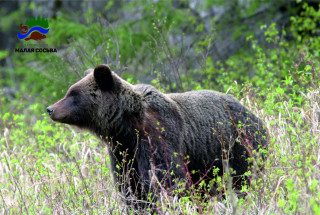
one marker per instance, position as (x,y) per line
(73,93)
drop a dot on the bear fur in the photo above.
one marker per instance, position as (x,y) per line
(171,136)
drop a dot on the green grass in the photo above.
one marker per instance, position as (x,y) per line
(52,169)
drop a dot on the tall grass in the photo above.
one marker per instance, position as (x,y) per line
(48,168)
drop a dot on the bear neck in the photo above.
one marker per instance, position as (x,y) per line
(122,132)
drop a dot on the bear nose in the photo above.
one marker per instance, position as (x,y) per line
(49,110)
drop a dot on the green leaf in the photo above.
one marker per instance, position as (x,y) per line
(3,54)
(308,67)
(281,203)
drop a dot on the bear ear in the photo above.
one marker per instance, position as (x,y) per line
(88,71)
(103,76)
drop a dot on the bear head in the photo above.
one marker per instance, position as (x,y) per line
(91,102)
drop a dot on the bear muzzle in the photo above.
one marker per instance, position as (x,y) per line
(50,111)
(60,112)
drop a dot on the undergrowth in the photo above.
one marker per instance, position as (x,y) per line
(48,168)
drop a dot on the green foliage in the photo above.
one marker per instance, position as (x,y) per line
(43,155)
(144,41)
(3,54)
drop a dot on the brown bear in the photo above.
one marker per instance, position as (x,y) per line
(171,136)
